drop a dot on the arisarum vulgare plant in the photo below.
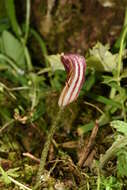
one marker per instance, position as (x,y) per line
(75,66)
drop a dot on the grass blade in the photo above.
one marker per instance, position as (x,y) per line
(12,16)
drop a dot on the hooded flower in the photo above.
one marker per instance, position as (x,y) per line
(75,67)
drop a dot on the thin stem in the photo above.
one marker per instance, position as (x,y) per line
(120,65)
(19,184)
(24,40)
(124,110)
(28,59)
(34,91)
(46,148)
(120,53)
(45,70)
(125,17)
(19,88)
(27,20)
(112,93)
(98,180)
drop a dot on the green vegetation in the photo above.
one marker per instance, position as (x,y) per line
(93,128)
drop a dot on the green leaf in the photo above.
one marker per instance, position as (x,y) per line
(13,172)
(4,176)
(13,49)
(101,58)
(85,128)
(122,163)
(103,99)
(103,120)
(120,126)
(110,183)
(55,62)
(122,91)
(94,62)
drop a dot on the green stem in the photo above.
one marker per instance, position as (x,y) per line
(120,53)
(24,40)
(112,93)
(125,17)
(124,110)
(34,90)
(98,180)
(46,149)
(27,20)
(120,65)
(28,59)
(45,70)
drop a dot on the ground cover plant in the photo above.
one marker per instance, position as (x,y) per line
(84,145)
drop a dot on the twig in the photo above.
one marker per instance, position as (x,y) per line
(89,145)
(31,156)
(89,160)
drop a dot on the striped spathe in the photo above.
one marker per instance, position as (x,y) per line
(75,67)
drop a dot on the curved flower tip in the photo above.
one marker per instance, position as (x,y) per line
(75,67)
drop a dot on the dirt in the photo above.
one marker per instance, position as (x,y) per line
(75,26)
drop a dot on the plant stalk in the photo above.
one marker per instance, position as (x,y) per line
(46,148)
(119,66)
(27,24)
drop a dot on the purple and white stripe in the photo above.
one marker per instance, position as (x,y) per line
(75,67)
